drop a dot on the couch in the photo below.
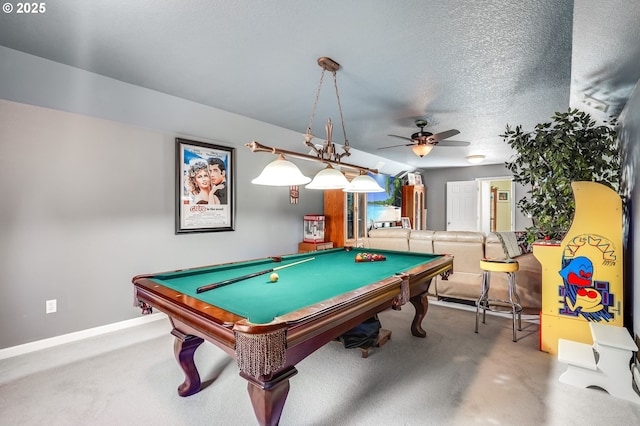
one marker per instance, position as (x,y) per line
(465,282)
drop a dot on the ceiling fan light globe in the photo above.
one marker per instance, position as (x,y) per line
(422,150)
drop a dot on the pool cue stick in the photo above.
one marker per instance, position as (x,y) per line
(246,277)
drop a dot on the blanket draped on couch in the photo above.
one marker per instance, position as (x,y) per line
(510,244)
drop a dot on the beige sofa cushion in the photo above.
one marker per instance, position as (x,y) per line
(388,239)
(493,248)
(459,236)
(421,241)
(466,247)
(460,285)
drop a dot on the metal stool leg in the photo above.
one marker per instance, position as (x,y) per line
(483,299)
(518,303)
(516,307)
(485,302)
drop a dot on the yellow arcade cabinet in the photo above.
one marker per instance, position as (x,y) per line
(582,274)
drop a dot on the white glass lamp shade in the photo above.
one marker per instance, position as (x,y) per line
(281,172)
(363,183)
(475,159)
(328,178)
(422,150)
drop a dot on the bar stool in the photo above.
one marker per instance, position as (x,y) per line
(508,266)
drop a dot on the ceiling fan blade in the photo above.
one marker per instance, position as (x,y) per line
(444,135)
(395,146)
(401,137)
(454,143)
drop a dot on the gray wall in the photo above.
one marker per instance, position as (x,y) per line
(629,136)
(435,181)
(87,202)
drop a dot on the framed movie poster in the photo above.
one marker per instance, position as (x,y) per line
(204,187)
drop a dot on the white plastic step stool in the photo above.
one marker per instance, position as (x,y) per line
(614,348)
(576,354)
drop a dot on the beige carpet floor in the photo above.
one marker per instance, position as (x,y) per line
(451,377)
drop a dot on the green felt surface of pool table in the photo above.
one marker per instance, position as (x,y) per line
(331,273)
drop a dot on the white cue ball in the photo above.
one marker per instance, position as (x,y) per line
(274,277)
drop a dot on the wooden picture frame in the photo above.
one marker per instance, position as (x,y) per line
(205,182)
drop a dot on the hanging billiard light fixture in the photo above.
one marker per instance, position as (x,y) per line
(328,150)
(328,178)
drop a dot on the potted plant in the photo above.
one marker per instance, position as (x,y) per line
(569,148)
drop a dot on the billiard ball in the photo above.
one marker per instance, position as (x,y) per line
(274,277)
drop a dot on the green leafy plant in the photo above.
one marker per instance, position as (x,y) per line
(569,148)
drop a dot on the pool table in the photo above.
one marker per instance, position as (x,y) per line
(268,327)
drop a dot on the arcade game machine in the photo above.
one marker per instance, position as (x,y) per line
(582,274)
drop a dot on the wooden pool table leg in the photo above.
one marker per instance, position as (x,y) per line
(421,304)
(268,397)
(184,347)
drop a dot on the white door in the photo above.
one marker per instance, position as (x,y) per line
(485,206)
(462,206)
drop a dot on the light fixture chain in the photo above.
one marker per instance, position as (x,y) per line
(315,104)
(344,131)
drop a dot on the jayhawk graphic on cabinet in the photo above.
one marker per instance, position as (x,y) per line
(582,275)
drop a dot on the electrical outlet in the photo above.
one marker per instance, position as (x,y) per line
(51,306)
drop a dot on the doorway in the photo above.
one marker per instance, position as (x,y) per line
(485,205)
(497,208)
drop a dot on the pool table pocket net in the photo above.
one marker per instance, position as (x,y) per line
(261,354)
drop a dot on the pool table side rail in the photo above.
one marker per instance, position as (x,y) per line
(444,265)
(207,268)
(319,325)
(207,320)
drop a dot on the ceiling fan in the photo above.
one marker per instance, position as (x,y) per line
(423,142)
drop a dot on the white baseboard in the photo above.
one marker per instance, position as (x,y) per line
(78,335)
(534,318)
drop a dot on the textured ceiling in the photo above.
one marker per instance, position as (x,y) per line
(470,65)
